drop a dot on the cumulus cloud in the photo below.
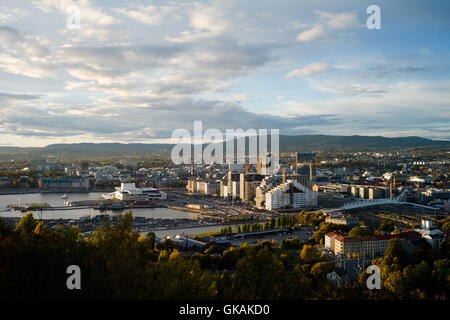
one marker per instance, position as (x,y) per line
(206,22)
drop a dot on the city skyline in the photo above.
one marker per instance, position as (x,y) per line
(134,71)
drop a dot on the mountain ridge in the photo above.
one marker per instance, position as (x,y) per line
(288,143)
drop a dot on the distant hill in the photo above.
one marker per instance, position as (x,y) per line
(287,144)
(356,142)
(109,147)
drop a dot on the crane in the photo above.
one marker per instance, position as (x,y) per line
(310,184)
(283,172)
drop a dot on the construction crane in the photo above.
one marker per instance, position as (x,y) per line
(283,173)
(310,184)
(390,186)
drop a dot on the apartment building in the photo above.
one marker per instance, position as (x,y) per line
(342,244)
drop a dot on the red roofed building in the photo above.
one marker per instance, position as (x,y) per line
(367,245)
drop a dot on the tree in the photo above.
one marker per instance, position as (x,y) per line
(395,250)
(250,279)
(27,225)
(169,244)
(4,228)
(308,253)
(359,231)
(320,269)
(230,257)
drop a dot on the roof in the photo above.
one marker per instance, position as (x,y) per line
(403,235)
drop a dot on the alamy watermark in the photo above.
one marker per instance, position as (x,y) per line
(213,152)
(74,280)
(374,20)
(73,21)
(374,280)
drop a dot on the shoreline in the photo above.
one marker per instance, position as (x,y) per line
(36,191)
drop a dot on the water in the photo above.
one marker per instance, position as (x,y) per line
(54,200)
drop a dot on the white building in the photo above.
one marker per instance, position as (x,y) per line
(129,192)
(295,195)
(204,187)
(431,234)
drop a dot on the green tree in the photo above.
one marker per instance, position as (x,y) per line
(359,231)
(308,253)
(27,225)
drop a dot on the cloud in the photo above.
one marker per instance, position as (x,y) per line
(136,72)
(8,14)
(115,66)
(157,120)
(19,97)
(310,69)
(405,108)
(24,55)
(95,22)
(88,12)
(316,32)
(239,97)
(344,20)
(328,23)
(207,22)
(209,19)
(151,15)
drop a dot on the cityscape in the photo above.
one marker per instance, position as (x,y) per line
(224,151)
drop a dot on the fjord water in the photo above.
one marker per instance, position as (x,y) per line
(54,200)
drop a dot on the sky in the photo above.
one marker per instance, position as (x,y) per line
(134,71)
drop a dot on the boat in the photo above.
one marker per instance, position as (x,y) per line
(64,196)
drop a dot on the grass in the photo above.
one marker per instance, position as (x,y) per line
(35,205)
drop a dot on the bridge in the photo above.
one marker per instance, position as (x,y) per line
(376,202)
